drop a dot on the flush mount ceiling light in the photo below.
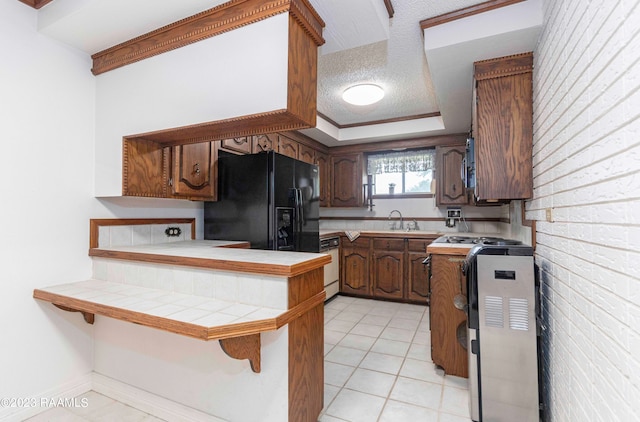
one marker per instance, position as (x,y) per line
(363,94)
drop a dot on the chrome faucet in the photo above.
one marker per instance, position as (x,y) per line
(392,224)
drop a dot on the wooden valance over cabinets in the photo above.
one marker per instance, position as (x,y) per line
(223,18)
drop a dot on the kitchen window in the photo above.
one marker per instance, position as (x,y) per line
(402,172)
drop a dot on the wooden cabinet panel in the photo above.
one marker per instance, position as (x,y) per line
(346,185)
(451,189)
(355,271)
(322,161)
(287,147)
(382,244)
(420,245)
(194,170)
(446,319)
(238,145)
(417,277)
(306,154)
(268,142)
(388,274)
(503,128)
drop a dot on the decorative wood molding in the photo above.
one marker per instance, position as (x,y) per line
(220,19)
(389,6)
(253,124)
(96,223)
(503,66)
(467,11)
(377,122)
(36,4)
(246,347)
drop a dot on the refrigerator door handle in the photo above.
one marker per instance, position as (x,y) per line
(301,208)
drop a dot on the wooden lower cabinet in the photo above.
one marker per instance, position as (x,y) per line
(385,268)
(388,259)
(448,324)
(354,267)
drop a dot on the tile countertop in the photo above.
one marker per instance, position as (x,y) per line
(212,254)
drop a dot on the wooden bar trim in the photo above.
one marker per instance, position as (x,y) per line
(245,347)
(465,12)
(36,4)
(88,317)
(96,223)
(216,264)
(209,23)
(447,250)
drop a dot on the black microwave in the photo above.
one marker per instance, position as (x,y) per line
(469,165)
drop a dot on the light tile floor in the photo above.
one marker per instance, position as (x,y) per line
(378,368)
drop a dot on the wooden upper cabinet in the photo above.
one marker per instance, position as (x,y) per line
(287,147)
(346,180)
(322,161)
(503,128)
(194,170)
(451,189)
(240,145)
(268,142)
(306,154)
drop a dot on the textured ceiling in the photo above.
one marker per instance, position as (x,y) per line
(397,64)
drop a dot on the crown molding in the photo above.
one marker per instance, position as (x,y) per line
(209,23)
(467,11)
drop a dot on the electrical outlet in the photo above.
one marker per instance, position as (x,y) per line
(454,212)
(173,231)
(549,215)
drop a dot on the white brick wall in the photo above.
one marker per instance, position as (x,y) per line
(587,170)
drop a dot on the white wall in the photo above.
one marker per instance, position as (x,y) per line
(587,171)
(47,97)
(237,73)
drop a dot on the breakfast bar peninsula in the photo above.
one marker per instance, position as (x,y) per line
(250,324)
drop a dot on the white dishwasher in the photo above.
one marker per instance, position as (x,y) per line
(331,245)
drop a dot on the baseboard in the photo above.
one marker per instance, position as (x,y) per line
(68,390)
(153,404)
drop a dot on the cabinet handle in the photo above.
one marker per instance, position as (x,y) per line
(196,168)
(453,187)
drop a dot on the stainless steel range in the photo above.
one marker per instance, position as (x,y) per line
(502,337)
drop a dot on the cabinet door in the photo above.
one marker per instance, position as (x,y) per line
(346,186)
(451,189)
(322,161)
(388,272)
(354,268)
(417,278)
(504,128)
(287,147)
(446,320)
(240,145)
(268,142)
(194,171)
(306,154)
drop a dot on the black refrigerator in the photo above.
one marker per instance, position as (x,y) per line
(268,199)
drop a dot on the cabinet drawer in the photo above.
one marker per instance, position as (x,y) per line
(241,145)
(361,242)
(419,245)
(389,244)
